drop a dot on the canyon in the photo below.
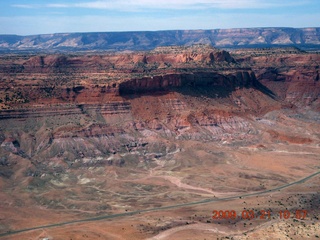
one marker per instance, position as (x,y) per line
(92,134)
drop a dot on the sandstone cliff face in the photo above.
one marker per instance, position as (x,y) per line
(196,79)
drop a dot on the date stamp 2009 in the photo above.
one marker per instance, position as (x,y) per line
(262,214)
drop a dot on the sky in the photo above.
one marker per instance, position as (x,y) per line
(29,17)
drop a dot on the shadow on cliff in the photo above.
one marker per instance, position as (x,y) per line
(205,84)
(259,86)
(221,91)
(200,92)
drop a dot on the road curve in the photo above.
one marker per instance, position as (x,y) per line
(208,200)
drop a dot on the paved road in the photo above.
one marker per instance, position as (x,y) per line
(208,200)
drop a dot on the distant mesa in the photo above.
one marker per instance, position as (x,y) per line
(305,38)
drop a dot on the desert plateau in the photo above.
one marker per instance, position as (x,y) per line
(165,142)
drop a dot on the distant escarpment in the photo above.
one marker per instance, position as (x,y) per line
(227,38)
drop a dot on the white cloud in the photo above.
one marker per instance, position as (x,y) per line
(57,24)
(130,5)
(56,5)
(25,6)
(53,18)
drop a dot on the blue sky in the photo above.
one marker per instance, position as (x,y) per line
(27,17)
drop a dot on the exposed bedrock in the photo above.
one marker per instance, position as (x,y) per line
(101,105)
